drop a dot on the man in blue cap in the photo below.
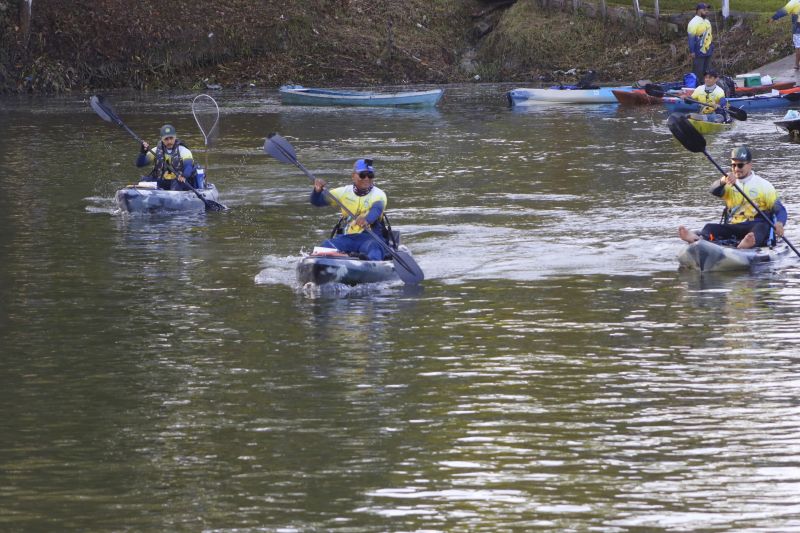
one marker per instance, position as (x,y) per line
(173,164)
(742,221)
(701,46)
(366,202)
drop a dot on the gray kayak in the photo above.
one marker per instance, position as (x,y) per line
(707,256)
(142,198)
(340,268)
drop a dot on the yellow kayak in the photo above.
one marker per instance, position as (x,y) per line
(705,127)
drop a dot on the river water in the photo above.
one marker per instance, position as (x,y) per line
(555,371)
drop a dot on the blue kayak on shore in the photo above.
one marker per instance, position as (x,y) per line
(299,95)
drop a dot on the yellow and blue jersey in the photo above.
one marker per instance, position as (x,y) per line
(793,9)
(700,37)
(715,97)
(760,191)
(370,205)
(179,158)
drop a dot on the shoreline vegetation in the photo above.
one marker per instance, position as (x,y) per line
(197,44)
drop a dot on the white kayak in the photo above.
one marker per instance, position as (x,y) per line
(145,198)
(707,256)
(597,95)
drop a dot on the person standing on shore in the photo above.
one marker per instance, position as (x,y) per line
(701,44)
(793,9)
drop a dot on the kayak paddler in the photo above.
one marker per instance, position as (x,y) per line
(712,94)
(741,221)
(366,201)
(173,164)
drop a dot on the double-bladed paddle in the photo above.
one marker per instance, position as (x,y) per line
(736,112)
(693,140)
(106,112)
(407,269)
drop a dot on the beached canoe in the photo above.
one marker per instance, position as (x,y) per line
(144,198)
(707,256)
(299,95)
(705,127)
(566,95)
(326,265)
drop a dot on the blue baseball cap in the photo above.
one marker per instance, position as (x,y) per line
(363,165)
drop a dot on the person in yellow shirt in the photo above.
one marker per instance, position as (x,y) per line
(742,222)
(793,9)
(364,200)
(714,96)
(701,41)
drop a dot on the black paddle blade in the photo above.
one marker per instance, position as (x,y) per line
(102,108)
(737,113)
(279,148)
(407,269)
(682,129)
(211,205)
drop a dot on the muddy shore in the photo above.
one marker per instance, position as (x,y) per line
(197,44)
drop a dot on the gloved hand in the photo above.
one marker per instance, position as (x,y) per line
(144,147)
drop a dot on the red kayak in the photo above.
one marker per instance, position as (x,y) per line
(640,97)
(761,89)
(635,97)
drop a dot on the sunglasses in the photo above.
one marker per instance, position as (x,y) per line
(364,174)
(738,165)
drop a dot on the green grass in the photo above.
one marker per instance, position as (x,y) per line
(672,6)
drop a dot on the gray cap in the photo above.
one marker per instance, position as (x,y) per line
(741,153)
(167,130)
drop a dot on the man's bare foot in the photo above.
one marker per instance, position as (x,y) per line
(748,242)
(686,235)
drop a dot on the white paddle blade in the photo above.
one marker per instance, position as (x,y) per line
(279,148)
(100,107)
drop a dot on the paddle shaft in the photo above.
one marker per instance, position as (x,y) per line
(737,113)
(759,211)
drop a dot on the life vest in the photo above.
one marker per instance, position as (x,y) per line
(167,162)
(713,97)
(758,189)
(357,205)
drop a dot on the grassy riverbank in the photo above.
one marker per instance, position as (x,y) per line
(674,6)
(194,43)
(524,46)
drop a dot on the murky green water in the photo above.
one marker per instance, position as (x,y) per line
(555,371)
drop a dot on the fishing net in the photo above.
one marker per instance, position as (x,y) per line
(206,114)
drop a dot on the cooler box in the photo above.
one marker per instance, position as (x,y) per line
(752,79)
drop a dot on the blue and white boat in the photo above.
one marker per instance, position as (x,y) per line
(564,95)
(299,95)
(748,103)
(144,197)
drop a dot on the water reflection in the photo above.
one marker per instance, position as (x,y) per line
(554,371)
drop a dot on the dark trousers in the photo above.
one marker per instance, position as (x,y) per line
(699,66)
(172,185)
(724,232)
(361,243)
